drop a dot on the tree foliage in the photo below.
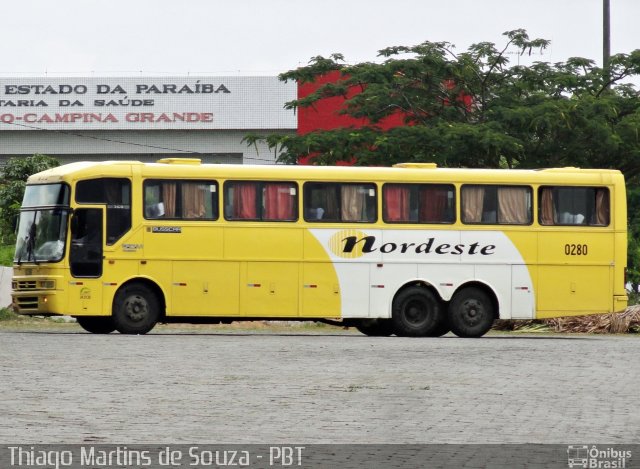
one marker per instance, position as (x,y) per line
(14,177)
(474,109)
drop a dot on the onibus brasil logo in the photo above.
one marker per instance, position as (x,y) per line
(594,457)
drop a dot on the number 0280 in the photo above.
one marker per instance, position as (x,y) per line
(576,249)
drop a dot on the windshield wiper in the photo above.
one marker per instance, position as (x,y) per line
(30,240)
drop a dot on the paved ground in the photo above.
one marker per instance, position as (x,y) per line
(66,386)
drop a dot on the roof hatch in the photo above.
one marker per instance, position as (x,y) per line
(194,161)
(416,165)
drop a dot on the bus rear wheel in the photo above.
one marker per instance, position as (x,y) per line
(97,324)
(471,313)
(135,309)
(375,327)
(417,312)
(441,329)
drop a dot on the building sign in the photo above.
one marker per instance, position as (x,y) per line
(139,103)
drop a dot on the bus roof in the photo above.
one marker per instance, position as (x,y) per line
(404,172)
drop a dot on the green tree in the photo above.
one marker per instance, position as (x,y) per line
(14,177)
(633,251)
(474,109)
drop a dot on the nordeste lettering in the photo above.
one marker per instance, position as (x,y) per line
(368,244)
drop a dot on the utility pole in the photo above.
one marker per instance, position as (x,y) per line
(606,38)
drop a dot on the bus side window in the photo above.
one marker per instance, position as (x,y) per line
(258,200)
(198,200)
(418,203)
(180,200)
(241,200)
(321,202)
(574,206)
(500,205)
(279,201)
(343,202)
(153,205)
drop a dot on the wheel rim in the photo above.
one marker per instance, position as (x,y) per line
(472,312)
(416,312)
(136,308)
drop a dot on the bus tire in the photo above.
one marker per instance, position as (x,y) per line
(97,324)
(417,312)
(471,313)
(375,327)
(135,309)
(441,329)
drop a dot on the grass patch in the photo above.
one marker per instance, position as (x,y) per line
(9,319)
(7,315)
(6,255)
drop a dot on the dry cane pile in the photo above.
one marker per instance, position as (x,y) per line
(615,323)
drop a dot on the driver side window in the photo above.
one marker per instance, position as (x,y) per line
(115,193)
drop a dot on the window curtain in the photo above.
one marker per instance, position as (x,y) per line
(472,202)
(512,205)
(279,202)
(192,200)
(396,203)
(244,201)
(353,202)
(169,199)
(332,203)
(433,204)
(602,207)
(547,215)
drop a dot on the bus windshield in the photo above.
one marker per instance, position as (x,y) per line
(45,195)
(41,233)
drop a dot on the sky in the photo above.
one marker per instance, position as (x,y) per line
(267,37)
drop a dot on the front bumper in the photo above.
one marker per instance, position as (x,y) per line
(36,296)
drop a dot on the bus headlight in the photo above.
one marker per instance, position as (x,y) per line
(47,284)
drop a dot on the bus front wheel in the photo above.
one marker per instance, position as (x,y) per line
(97,324)
(417,312)
(471,313)
(135,310)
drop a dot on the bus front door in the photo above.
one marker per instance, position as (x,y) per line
(85,261)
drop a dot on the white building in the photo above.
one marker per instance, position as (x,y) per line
(143,118)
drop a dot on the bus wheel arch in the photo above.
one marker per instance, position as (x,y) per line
(418,311)
(138,305)
(472,310)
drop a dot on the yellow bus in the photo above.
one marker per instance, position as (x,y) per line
(411,250)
